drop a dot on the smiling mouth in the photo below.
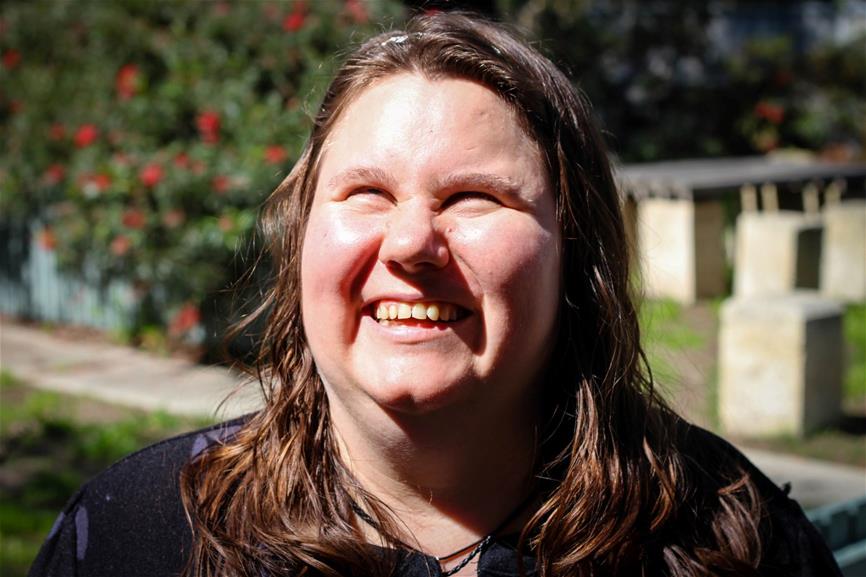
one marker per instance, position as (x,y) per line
(390,312)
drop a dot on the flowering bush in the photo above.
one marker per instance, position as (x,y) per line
(144,135)
(813,101)
(664,91)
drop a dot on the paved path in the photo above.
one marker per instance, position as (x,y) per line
(118,374)
(813,483)
(131,377)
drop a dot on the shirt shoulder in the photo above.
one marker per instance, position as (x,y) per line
(791,545)
(129,520)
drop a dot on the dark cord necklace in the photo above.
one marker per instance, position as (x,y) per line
(477,547)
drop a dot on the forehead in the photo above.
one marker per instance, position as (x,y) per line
(433,123)
(456,97)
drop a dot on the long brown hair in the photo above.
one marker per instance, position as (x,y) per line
(622,496)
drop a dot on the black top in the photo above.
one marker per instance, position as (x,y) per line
(129,521)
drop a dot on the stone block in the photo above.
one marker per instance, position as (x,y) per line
(681,248)
(780,364)
(776,253)
(843,256)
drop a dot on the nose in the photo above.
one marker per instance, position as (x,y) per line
(411,240)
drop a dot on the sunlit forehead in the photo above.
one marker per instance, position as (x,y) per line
(407,133)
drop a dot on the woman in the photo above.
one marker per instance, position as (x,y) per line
(454,379)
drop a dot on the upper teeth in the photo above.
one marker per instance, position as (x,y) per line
(389,310)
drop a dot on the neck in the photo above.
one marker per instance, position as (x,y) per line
(450,477)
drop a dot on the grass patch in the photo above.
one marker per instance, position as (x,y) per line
(50,444)
(712,401)
(662,332)
(662,325)
(855,339)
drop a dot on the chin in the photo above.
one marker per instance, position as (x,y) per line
(420,397)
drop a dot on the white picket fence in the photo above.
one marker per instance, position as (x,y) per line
(33,286)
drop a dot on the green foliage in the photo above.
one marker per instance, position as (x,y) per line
(662,333)
(855,338)
(663,91)
(145,135)
(786,100)
(22,531)
(662,326)
(7,380)
(48,449)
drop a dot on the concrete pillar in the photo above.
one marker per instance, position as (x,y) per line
(843,256)
(776,253)
(681,248)
(780,364)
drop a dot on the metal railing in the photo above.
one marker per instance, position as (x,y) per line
(843,526)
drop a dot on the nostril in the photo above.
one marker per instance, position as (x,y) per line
(412,242)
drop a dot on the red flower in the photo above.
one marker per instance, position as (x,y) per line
(295,20)
(181,160)
(46,239)
(54,174)
(220,184)
(769,111)
(86,135)
(208,123)
(102,181)
(275,154)
(11,58)
(150,175)
(120,245)
(357,11)
(126,82)
(15,106)
(57,131)
(98,182)
(185,319)
(133,218)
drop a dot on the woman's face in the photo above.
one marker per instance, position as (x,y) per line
(432,206)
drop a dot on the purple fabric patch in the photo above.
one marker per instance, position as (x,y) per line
(56,526)
(199,445)
(81,533)
(203,441)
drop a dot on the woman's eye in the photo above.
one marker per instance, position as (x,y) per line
(373,191)
(369,193)
(471,197)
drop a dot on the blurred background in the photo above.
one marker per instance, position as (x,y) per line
(140,138)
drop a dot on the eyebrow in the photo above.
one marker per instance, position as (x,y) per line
(362,174)
(481,181)
(468,181)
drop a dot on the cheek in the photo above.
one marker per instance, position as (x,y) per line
(521,279)
(518,262)
(336,254)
